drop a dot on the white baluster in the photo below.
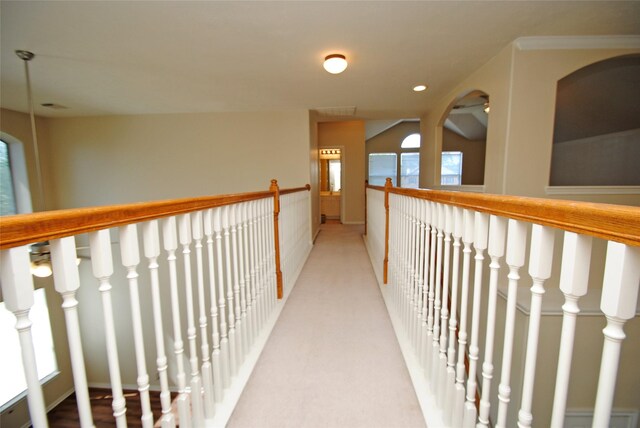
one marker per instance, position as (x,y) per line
(185,236)
(130,255)
(236,282)
(444,317)
(152,252)
(67,282)
(497,234)
(17,292)
(215,334)
(228,255)
(101,261)
(255,314)
(540,260)
(432,286)
(246,255)
(516,247)
(574,278)
(619,298)
(426,213)
(420,332)
(459,398)
(170,242)
(207,375)
(224,340)
(437,303)
(480,228)
(242,244)
(458,223)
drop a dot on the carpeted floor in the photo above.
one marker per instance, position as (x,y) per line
(332,359)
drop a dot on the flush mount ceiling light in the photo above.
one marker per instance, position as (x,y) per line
(335,63)
(420,88)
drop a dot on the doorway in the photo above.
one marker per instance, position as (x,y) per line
(331,178)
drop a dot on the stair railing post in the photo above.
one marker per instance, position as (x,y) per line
(385,266)
(276,233)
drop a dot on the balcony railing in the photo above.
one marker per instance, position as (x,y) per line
(213,273)
(450,320)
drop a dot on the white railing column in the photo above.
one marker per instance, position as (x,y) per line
(497,234)
(619,298)
(459,398)
(102,263)
(67,282)
(516,247)
(130,255)
(213,303)
(458,223)
(17,292)
(151,240)
(206,370)
(540,260)
(481,228)
(170,241)
(224,340)
(574,278)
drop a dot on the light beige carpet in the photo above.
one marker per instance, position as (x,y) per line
(332,359)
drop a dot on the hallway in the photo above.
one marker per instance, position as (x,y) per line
(332,359)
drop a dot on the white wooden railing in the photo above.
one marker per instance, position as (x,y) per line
(213,270)
(444,305)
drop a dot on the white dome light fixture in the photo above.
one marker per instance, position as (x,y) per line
(420,88)
(335,63)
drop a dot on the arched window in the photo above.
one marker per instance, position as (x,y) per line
(411,142)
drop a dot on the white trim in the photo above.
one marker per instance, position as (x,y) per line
(592,190)
(19,174)
(631,416)
(577,42)
(23,395)
(353,222)
(129,386)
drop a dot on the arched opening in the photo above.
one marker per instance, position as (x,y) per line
(596,136)
(464,140)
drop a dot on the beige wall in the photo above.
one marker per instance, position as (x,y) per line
(473,156)
(389,141)
(349,135)
(121,159)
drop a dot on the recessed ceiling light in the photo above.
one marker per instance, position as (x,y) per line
(420,88)
(335,63)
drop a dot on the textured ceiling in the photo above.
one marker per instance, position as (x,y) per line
(99,58)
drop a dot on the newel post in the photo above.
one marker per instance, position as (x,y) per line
(276,233)
(387,186)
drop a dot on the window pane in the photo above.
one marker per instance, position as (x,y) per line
(451,171)
(410,170)
(7,197)
(411,142)
(381,166)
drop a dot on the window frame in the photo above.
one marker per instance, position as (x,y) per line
(19,175)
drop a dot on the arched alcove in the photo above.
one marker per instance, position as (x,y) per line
(596,136)
(464,139)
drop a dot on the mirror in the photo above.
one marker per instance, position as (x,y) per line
(330,170)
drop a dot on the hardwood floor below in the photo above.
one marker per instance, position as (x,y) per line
(65,414)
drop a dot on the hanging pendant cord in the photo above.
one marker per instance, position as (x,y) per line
(27,56)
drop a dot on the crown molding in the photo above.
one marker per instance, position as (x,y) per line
(577,42)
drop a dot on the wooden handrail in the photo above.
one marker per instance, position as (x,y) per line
(611,222)
(25,229)
(295,190)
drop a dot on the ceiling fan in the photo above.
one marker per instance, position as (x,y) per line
(480,101)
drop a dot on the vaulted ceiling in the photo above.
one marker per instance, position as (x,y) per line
(104,57)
